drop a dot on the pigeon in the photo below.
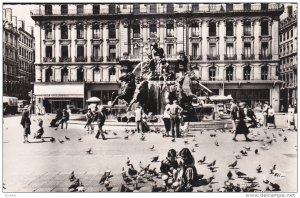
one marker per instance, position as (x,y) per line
(209,180)
(256,151)
(212,169)
(186,141)
(115,133)
(202,160)
(274,136)
(73,187)
(285,139)
(152,148)
(272,169)
(247,148)
(216,143)
(265,147)
(126,130)
(126,137)
(173,140)
(196,145)
(239,173)
(212,164)
(128,161)
(213,135)
(72,176)
(132,171)
(280,134)
(104,177)
(193,150)
(52,139)
(79,139)
(233,164)
(89,151)
(210,189)
(258,169)
(236,155)
(154,159)
(61,141)
(68,139)
(229,175)
(152,172)
(194,138)
(3,186)
(143,138)
(275,187)
(250,179)
(244,153)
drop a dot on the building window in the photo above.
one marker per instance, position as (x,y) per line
(247,6)
(212,73)
(112,52)
(136,51)
(48,9)
(195,7)
(170,8)
(170,49)
(96,51)
(212,29)
(64,32)
(264,49)
(80,51)
(153,30)
(80,9)
(229,50)
(280,38)
(96,9)
(265,27)
(247,72)
(247,50)
(292,33)
(229,73)
(136,31)
(195,50)
(64,52)
(112,9)
(264,6)
(229,28)
(49,51)
(124,6)
(229,6)
(64,75)
(96,74)
(112,31)
(180,5)
(247,28)
(153,8)
(112,74)
(264,72)
(80,74)
(80,31)
(212,49)
(48,75)
(136,8)
(96,31)
(64,9)
(48,32)
(170,30)
(212,7)
(195,29)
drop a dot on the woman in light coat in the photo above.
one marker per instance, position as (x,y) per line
(291,117)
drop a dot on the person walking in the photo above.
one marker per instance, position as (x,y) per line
(241,126)
(233,113)
(175,109)
(138,118)
(291,117)
(64,119)
(100,117)
(271,117)
(89,119)
(252,116)
(265,113)
(25,122)
(166,118)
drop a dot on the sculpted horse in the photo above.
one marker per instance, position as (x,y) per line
(127,88)
(140,95)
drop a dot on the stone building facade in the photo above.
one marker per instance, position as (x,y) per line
(233,47)
(288,33)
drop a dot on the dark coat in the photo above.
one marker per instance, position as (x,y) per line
(242,127)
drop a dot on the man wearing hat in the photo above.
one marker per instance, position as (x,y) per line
(175,109)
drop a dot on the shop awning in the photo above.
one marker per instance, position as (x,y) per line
(59,90)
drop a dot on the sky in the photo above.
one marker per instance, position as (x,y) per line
(22,12)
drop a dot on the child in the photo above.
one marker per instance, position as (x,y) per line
(39,131)
(89,120)
(25,122)
(169,164)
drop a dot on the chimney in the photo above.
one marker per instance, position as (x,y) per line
(14,21)
(32,30)
(8,14)
(21,24)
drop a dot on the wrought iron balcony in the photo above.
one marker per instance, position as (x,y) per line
(49,59)
(80,59)
(153,35)
(136,35)
(248,56)
(65,59)
(230,57)
(213,57)
(97,59)
(135,56)
(112,59)
(196,57)
(195,34)
(265,56)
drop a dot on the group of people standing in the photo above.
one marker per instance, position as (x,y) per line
(99,116)
(171,118)
(26,123)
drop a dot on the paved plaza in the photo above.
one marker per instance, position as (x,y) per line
(45,167)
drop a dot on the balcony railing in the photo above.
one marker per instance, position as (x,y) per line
(65,59)
(112,59)
(153,35)
(49,59)
(136,35)
(170,35)
(135,56)
(265,56)
(230,57)
(171,56)
(248,56)
(97,59)
(213,57)
(195,34)
(196,57)
(80,59)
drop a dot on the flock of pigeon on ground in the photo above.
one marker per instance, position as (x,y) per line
(134,180)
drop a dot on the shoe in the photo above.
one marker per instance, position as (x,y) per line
(248,140)
(234,139)
(24,142)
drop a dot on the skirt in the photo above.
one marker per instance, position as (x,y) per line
(271,119)
(242,128)
(27,131)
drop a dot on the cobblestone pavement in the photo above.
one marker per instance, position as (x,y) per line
(44,166)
